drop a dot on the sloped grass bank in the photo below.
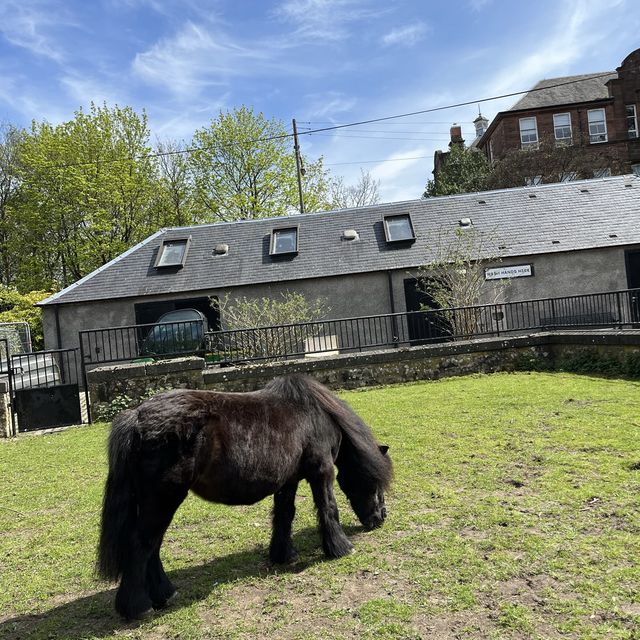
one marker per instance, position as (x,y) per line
(514,514)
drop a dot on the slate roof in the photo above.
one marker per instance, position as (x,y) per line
(591,86)
(525,221)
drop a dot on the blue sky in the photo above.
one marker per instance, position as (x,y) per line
(320,61)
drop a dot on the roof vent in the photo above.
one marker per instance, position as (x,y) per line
(532,195)
(555,242)
(350,234)
(613,235)
(628,185)
(221,250)
(482,202)
(584,190)
(502,246)
(465,223)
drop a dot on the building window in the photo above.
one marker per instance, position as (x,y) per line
(284,241)
(398,228)
(597,126)
(635,169)
(491,151)
(530,181)
(562,127)
(528,132)
(602,173)
(173,253)
(568,176)
(632,121)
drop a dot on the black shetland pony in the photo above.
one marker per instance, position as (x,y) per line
(232,448)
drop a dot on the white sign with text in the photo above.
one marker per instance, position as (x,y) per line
(514,271)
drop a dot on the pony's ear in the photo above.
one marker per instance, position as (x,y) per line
(383,449)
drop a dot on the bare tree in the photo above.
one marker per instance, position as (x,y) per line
(551,162)
(263,319)
(361,194)
(455,278)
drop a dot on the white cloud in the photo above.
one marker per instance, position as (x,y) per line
(324,20)
(584,26)
(195,58)
(479,5)
(29,25)
(406,36)
(328,104)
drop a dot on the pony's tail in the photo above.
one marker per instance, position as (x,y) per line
(119,508)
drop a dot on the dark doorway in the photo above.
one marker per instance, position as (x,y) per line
(424,327)
(150,312)
(632,260)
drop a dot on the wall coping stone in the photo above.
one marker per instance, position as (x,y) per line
(361,359)
(190,363)
(117,371)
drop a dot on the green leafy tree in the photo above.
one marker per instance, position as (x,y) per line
(87,194)
(175,199)
(10,138)
(20,307)
(243,167)
(465,170)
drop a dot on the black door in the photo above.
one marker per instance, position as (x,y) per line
(632,259)
(424,327)
(45,389)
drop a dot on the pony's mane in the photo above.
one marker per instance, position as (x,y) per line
(360,447)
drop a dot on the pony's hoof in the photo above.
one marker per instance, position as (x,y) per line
(165,603)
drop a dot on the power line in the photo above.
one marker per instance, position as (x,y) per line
(350,124)
(335,164)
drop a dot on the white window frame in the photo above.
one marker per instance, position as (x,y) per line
(635,169)
(635,122)
(596,136)
(602,173)
(528,144)
(562,139)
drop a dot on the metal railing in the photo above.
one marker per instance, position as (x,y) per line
(120,344)
(612,309)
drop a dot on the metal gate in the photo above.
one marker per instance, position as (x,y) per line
(45,389)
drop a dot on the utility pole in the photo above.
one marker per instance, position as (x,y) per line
(300,168)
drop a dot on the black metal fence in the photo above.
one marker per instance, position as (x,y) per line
(120,344)
(612,309)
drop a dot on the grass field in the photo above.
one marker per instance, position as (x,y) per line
(514,514)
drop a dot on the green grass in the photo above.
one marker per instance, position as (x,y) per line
(514,514)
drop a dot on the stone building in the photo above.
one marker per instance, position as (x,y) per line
(566,238)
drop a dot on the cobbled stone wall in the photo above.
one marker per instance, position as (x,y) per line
(351,371)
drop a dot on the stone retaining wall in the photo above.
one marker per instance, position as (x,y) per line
(349,371)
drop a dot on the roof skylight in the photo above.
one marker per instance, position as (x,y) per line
(398,228)
(173,253)
(284,241)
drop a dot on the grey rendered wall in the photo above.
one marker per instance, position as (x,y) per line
(347,296)
(556,274)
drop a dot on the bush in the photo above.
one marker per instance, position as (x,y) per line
(20,307)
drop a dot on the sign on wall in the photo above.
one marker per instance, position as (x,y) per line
(512,271)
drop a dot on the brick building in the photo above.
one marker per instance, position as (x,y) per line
(599,111)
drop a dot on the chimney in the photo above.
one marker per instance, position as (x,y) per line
(481,124)
(456,135)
